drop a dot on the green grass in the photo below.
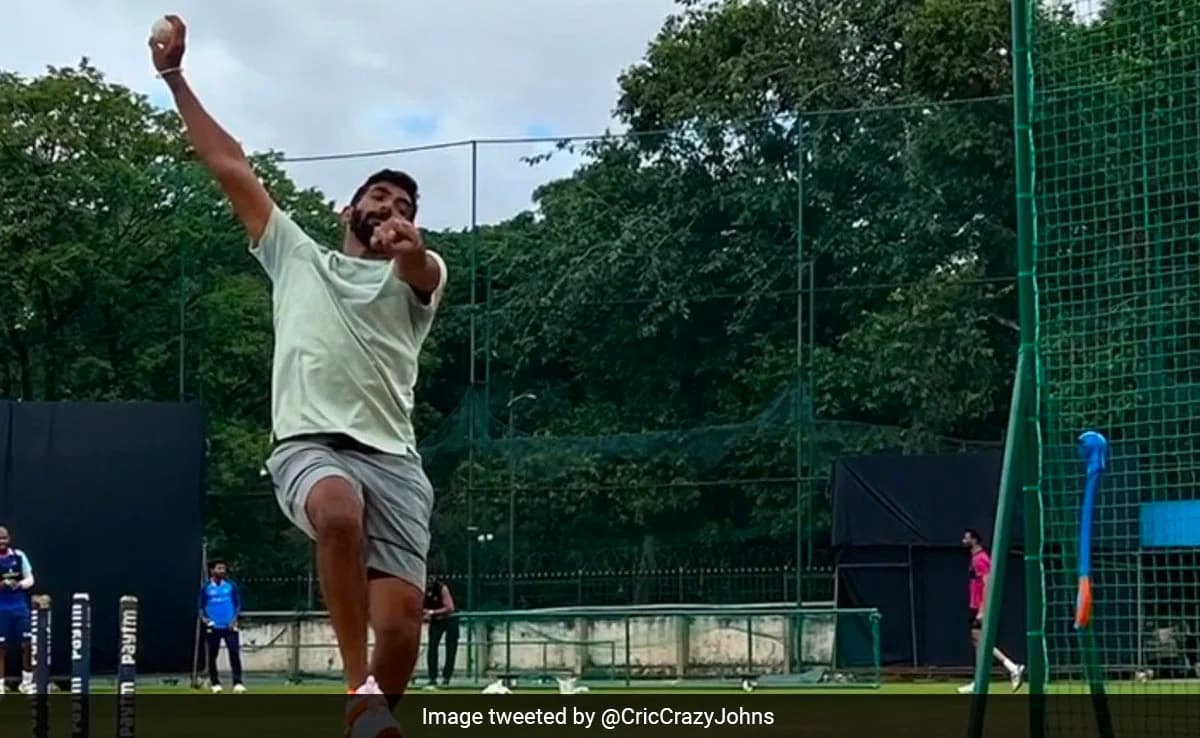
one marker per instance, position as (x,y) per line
(1000,687)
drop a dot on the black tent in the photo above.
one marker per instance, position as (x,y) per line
(897,536)
(108,499)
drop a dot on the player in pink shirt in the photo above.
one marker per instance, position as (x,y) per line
(978,573)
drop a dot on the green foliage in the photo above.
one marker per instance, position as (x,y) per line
(122,260)
(709,309)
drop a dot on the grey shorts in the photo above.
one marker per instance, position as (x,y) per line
(396,495)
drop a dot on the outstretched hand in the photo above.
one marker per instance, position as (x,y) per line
(397,237)
(168,54)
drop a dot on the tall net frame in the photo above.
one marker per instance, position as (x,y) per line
(1108,146)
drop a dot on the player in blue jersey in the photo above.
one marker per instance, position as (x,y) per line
(16,579)
(220,605)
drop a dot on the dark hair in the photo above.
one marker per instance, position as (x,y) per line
(391,176)
(214,563)
(974,534)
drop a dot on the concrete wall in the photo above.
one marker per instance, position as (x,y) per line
(650,645)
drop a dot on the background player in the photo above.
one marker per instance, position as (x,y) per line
(349,325)
(439,609)
(220,605)
(16,579)
(977,574)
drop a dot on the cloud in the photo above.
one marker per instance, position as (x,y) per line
(314,78)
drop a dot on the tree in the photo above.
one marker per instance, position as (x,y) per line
(650,299)
(127,276)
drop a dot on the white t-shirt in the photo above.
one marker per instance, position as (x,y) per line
(348,334)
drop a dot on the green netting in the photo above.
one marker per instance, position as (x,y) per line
(640,647)
(1116,139)
(701,355)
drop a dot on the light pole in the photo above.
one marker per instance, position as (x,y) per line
(471,533)
(473,537)
(512,499)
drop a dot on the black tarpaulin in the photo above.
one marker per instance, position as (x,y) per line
(897,533)
(107,499)
(897,500)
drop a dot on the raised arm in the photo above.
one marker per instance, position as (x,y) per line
(219,151)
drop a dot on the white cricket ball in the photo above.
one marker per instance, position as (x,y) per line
(162,30)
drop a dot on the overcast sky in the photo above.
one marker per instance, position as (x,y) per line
(313,77)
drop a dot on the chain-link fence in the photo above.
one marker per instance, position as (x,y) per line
(654,346)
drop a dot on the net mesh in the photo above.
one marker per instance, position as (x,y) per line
(683,423)
(1116,139)
(657,647)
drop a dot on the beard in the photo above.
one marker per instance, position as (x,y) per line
(363,225)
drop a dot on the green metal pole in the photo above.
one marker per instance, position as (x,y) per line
(1019,476)
(508,669)
(512,512)
(1035,609)
(810,417)
(876,649)
(628,659)
(487,342)
(1010,490)
(472,409)
(472,532)
(799,388)
(750,644)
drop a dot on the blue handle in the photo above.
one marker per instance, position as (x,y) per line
(1093,449)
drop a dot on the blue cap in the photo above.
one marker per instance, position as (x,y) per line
(1093,448)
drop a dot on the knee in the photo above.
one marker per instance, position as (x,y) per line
(335,511)
(395,629)
(400,622)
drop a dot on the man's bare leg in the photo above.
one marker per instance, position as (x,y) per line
(3,661)
(396,616)
(1008,664)
(1016,673)
(336,514)
(27,665)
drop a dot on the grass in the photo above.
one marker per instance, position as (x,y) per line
(929,688)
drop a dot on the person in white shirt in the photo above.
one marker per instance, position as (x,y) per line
(349,326)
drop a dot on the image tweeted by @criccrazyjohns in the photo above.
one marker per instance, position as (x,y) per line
(608,718)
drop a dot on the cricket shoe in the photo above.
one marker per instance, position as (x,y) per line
(368,715)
